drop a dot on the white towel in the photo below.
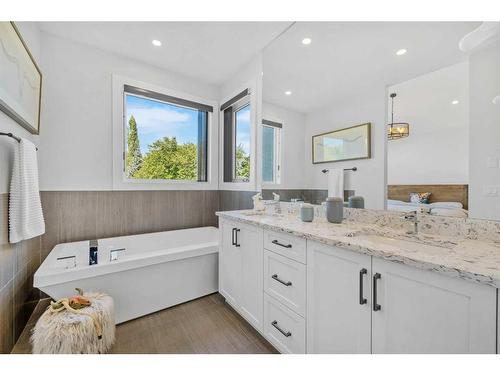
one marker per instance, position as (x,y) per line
(336,183)
(25,209)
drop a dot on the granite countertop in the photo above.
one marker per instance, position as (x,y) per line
(472,260)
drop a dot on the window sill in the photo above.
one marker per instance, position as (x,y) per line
(126,184)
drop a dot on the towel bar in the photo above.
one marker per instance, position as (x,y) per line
(13,136)
(354,169)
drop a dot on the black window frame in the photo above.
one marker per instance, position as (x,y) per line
(229,110)
(203,127)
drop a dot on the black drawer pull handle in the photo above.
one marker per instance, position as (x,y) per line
(285,283)
(236,238)
(362,299)
(232,237)
(275,325)
(376,306)
(276,242)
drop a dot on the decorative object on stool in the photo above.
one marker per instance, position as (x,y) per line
(82,324)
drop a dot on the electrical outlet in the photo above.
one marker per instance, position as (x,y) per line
(491,191)
(492,162)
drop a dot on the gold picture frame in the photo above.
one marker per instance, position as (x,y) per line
(20,79)
(351,143)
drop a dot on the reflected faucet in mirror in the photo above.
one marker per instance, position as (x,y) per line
(412,217)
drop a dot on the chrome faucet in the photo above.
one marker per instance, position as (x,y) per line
(412,217)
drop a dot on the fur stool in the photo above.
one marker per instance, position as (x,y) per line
(67,332)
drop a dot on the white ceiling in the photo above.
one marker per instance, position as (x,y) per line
(211,52)
(345,59)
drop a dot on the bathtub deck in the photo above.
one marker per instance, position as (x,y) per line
(205,325)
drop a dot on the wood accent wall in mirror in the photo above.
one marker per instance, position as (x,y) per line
(343,144)
(439,193)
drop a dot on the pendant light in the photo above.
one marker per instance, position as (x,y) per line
(396,130)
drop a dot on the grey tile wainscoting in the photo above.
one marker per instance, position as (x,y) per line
(235,200)
(314,196)
(18,298)
(82,215)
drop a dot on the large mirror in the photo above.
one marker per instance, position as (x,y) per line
(434,144)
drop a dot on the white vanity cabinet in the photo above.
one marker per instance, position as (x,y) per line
(338,300)
(285,292)
(241,268)
(361,304)
(424,312)
(308,297)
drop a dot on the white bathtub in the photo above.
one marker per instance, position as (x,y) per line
(155,271)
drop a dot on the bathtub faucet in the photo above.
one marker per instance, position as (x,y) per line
(93,247)
(113,254)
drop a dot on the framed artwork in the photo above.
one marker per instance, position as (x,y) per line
(20,79)
(343,144)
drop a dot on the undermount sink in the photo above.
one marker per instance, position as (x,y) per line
(410,245)
(421,239)
(261,213)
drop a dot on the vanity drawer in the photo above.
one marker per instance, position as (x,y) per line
(290,246)
(285,280)
(283,328)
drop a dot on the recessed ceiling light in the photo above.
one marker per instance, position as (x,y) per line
(288,93)
(306,41)
(401,52)
(455,102)
(156,43)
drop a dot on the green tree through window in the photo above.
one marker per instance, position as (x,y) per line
(242,163)
(134,156)
(166,159)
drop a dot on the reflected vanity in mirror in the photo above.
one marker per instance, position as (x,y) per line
(435,138)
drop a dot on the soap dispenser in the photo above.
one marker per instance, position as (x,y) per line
(258,204)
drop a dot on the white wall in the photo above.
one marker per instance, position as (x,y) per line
(484,132)
(369,180)
(292,145)
(437,150)
(31,36)
(76,135)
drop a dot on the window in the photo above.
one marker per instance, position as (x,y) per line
(271,151)
(241,155)
(237,138)
(166,138)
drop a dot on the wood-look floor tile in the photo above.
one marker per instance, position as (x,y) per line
(204,325)
(134,337)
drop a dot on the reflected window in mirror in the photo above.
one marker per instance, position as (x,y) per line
(271,152)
